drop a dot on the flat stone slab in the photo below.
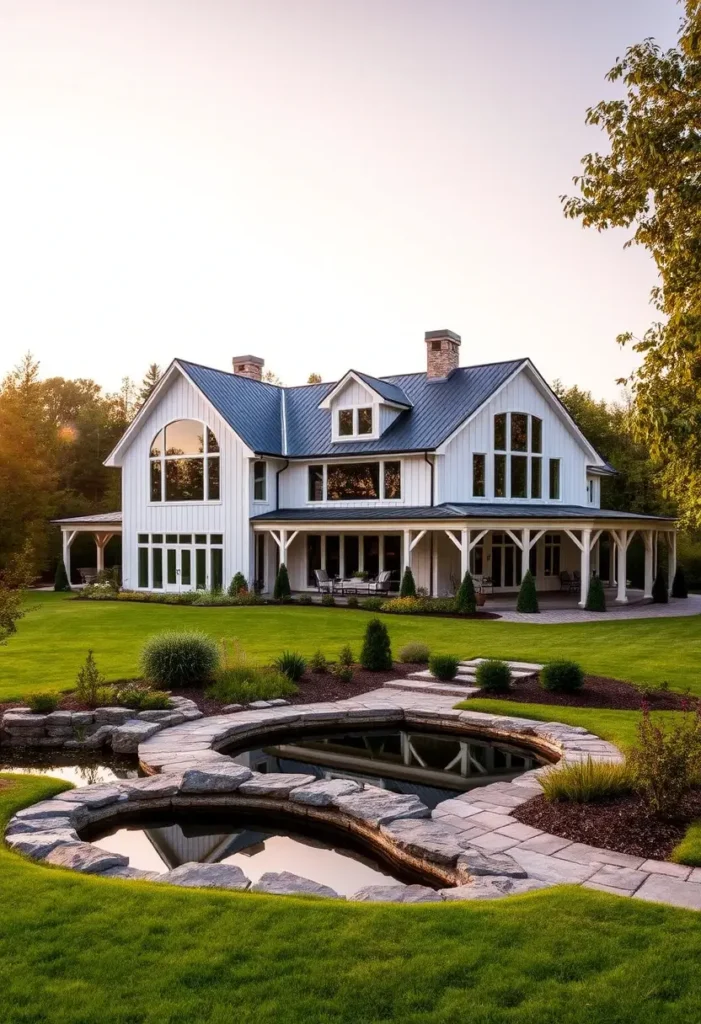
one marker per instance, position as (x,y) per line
(23,826)
(665,889)
(94,796)
(492,887)
(426,838)
(395,894)
(584,854)
(225,777)
(324,792)
(276,785)
(552,869)
(90,860)
(40,844)
(112,716)
(77,813)
(135,874)
(626,879)
(206,876)
(126,738)
(380,807)
(153,787)
(284,883)
(478,863)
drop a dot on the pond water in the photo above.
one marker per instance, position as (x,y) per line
(86,770)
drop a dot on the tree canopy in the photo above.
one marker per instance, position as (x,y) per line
(650,180)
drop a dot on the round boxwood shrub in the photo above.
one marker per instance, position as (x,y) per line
(177,658)
(466,599)
(414,654)
(565,676)
(352,602)
(305,599)
(328,600)
(679,587)
(444,666)
(493,675)
(376,655)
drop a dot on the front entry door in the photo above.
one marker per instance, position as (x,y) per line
(506,562)
(178,569)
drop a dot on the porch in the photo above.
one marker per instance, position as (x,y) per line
(103,527)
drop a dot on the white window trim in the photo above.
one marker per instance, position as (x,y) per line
(260,501)
(205,456)
(164,545)
(374,501)
(529,455)
(355,436)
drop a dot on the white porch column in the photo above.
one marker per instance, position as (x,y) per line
(648,540)
(342,556)
(525,550)
(283,546)
(464,553)
(67,541)
(381,553)
(672,556)
(323,551)
(101,542)
(622,540)
(613,554)
(434,563)
(585,567)
(406,550)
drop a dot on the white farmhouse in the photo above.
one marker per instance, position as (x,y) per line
(477,467)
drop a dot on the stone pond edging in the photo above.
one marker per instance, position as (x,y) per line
(469,846)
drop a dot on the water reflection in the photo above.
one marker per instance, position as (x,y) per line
(89,773)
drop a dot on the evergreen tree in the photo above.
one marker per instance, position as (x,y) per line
(151,378)
(408,587)
(596,597)
(238,585)
(376,655)
(659,589)
(527,596)
(61,581)
(282,591)
(679,587)
(465,599)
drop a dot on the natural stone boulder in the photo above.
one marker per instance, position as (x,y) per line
(153,787)
(474,862)
(94,796)
(91,860)
(206,876)
(40,844)
(23,826)
(96,739)
(228,709)
(284,883)
(126,738)
(395,894)
(274,785)
(491,887)
(113,716)
(428,839)
(324,792)
(135,874)
(164,716)
(77,813)
(379,807)
(259,705)
(222,778)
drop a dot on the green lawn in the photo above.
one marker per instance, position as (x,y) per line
(53,638)
(76,950)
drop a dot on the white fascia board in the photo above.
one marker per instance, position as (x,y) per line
(115,456)
(352,375)
(443,446)
(559,408)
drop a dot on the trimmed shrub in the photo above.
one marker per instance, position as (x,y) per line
(414,654)
(61,581)
(372,604)
(408,585)
(212,599)
(281,590)
(291,664)
(659,589)
(238,585)
(666,761)
(466,599)
(585,782)
(175,658)
(679,587)
(328,600)
(596,596)
(376,655)
(42,703)
(345,655)
(527,596)
(318,662)
(444,666)
(352,601)
(90,683)
(403,605)
(305,599)
(141,698)
(563,676)
(493,675)
(344,673)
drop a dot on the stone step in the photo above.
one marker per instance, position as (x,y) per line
(452,689)
(467,677)
(525,667)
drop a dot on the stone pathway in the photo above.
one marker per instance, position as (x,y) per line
(464,683)
(676,607)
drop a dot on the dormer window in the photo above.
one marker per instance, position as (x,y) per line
(355,422)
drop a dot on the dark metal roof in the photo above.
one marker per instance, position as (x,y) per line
(332,513)
(383,387)
(255,409)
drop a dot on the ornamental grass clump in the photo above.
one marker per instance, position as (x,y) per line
(444,666)
(376,655)
(291,664)
(562,676)
(666,761)
(527,597)
(493,675)
(585,782)
(178,658)
(466,599)
(237,681)
(414,654)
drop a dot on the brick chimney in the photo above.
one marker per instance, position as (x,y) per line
(249,366)
(442,354)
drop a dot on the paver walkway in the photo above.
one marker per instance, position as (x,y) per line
(548,617)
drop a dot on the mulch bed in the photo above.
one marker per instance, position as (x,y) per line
(597,692)
(623,824)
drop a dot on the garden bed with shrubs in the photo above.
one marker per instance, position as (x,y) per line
(595,692)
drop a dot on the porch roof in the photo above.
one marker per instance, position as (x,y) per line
(101,520)
(450,511)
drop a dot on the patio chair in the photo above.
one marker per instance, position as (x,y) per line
(382,584)
(486,585)
(567,582)
(324,583)
(87,575)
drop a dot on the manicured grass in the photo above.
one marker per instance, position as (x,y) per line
(54,637)
(689,850)
(76,949)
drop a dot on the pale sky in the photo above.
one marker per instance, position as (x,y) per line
(317,182)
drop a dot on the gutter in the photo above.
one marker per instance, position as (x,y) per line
(277,483)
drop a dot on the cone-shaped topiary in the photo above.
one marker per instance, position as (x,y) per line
(61,581)
(238,585)
(679,587)
(527,597)
(408,587)
(596,598)
(281,591)
(465,599)
(659,589)
(376,655)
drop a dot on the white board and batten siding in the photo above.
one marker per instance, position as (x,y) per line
(454,468)
(416,482)
(228,516)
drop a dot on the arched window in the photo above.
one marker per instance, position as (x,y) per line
(184,461)
(518,448)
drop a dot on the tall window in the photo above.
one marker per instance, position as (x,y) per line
(260,480)
(554,479)
(518,444)
(392,480)
(478,475)
(356,481)
(184,463)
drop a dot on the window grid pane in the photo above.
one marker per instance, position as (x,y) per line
(316,483)
(213,479)
(519,476)
(499,476)
(345,423)
(519,432)
(200,568)
(365,421)
(478,481)
(536,435)
(156,481)
(536,477)
(554,479)
(500,431)
(185,568)
(259,481)
(356,481)
(143,567)
(157,568)
(393,480)
(216,568)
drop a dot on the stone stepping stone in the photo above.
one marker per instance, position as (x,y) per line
(492,887)
(395,894)
(206,876)
(90,860)
(274,785)
(433,688)
(40,844)
(478,863)
(379,807)
(153,787)
(284,883)
(429,839)
(324,792)
(221,778)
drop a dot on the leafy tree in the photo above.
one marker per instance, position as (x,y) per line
(314,378)
(376,655)
(270,377)
(679,587)
(527,596)
(151,378)
(466,599)
(659,589)
(650,180)
(408,584)
(281,590)
(596,596)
